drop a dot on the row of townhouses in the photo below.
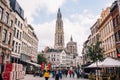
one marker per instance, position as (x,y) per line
(62,58)
(18,41)
(107,30)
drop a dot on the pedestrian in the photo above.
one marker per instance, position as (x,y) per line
(66,72)
(78,74)
(53,73)
(46,75)
(73,73)
(60,73)
(70,73)
(57,75)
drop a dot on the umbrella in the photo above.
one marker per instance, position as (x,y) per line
(109,62)
(93,65)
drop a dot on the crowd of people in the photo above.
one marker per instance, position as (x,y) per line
(60,73)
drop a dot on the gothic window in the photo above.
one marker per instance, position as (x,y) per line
(61,39)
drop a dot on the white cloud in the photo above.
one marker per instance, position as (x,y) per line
(79,28)
(31,8)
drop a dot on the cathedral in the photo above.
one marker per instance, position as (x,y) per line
(61,56)
(59,37)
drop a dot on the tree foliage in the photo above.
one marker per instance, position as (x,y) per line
(41,58)
(95,52)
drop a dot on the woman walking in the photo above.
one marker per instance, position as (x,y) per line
(46,75)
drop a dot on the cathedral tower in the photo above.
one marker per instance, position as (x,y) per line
(59,33)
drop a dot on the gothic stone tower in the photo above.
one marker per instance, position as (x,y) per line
(59,33)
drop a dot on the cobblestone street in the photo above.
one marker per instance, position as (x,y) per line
(31,77)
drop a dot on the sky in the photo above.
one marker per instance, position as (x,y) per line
(77,15)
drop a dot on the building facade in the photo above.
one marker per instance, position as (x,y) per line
(58,58)
(19,21)
(6,32)
(107,33)
(115,13)
(59,32)
(29,48)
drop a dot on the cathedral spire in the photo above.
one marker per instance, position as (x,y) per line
(59,32)
(59,16)
(71,39)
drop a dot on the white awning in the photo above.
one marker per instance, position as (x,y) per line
(35,64)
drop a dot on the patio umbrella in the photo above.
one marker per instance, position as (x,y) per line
(93,65)
(109,62)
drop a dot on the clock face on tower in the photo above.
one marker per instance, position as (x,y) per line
(60,30)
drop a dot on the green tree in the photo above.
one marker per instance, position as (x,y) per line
(95,53)
(41,58)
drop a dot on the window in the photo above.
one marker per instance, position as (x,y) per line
(119,35)
(17,33)
(6,17)
(19,48)
(4,35)
(18,23)
(15,20)
(117,19)
(14,32)
(20,35)
(11,22)
(13,43)
(9,38)
(1,11)
(16,46)
(21,26)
